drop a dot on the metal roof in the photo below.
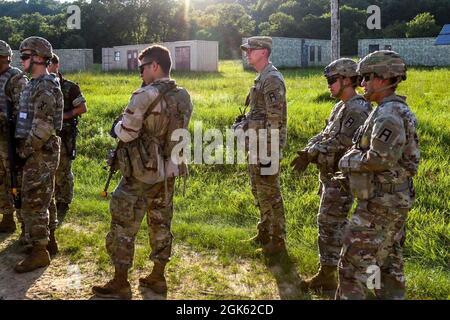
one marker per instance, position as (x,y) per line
(444,36)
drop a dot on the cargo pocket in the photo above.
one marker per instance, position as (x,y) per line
(124,162)
(122,208)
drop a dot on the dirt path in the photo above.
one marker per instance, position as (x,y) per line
(190,275)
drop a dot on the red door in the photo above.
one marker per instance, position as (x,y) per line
(183,58)
(132,58)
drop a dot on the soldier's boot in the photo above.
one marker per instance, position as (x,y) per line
(117,288)
(276,246)
(23,237)
(52,246)
(324,280)
(38,258)
(61,210)
(155,280)
(7,225)
(261,238)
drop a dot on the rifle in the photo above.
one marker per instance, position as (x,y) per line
(12,156)
(111,162)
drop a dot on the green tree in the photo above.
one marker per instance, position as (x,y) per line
(423,25)
(280,25)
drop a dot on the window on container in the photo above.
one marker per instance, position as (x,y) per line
(311,53)
(116,55)
(319,53)
(374,47)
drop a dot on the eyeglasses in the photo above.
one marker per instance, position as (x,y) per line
(25,57)
(142,66)
(332,80)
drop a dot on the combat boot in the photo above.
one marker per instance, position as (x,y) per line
(61,210)
(156,280)
(52,246)
(117,288)
(324,280)
(7,225)
(261,238)
(39,257)
(23,241)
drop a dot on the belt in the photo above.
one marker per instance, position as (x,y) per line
(392,187)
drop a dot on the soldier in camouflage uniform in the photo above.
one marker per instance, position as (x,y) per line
(12,82)
(148,173)
(38,120)
(74,106)
(268,110)
(380,167)
(325,150)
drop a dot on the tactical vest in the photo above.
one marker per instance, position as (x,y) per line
(177,109)
(25,115)
(4,78)
(149,152)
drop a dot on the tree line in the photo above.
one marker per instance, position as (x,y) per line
(121,22)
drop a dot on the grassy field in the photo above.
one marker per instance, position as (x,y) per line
(217,211)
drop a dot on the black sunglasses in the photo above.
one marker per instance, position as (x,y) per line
(332,80)
(142,66)
(25,56)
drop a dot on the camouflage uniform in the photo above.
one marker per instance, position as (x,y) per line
(147,184)
(268,110)
(12,82)
(38,120)
(335,201)
(380,167)
(64,176)
(68,134)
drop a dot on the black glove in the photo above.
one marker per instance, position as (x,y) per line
(112,133)
(300,163)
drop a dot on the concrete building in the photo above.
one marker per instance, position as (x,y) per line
(71,60)
(192,55)
(297,52)
(415,51)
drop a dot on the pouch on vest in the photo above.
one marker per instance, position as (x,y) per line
(362,185)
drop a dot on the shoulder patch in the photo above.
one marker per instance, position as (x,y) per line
(385,135)
(272,97)
(349,122)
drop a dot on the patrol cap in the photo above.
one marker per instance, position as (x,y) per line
(257,43)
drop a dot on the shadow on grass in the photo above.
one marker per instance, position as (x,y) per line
(288,280)
(14,286)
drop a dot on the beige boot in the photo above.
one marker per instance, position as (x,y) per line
(325,279)
(7,225)
(156,280)
(117,288)
(39,257)
(52,246)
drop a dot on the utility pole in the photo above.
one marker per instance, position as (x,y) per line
(335,30)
